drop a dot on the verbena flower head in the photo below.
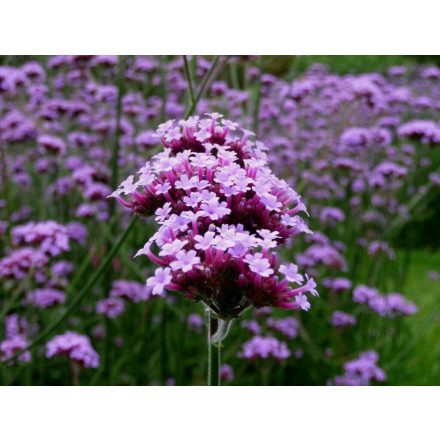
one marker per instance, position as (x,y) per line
(51,237)
(195,322)
(74,346)
(342,319)
(361,371)
(265,347)
(288,326)
(13,345)
(222,213)
(22,262)
(46,298)
(426,131)
(389,306)
(130,290)
(226,373)
(110,307)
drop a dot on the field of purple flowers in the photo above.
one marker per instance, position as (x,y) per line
(235,220)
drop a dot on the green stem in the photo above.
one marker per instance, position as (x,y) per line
(77,300)
(189,79)
(5,182)
(205,83)
(214,352)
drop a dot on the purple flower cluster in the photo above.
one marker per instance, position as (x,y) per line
(16,330)
(51,237)
(361,371)
(129,290)
(110,307)
(390,305)
(226,373)
(342,319)
(222,212)
(286,326)
(195,322)
(46,297)
(265,347)
(426,131)
(74,346)
(22,262)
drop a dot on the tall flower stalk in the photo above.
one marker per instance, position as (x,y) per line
(221,214)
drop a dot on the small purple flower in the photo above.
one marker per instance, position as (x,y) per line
(195,322)
(162,277)
(110,307)
(341,319)
(46,298)
(185,261)
(361,371)
(226,373)
(290,271)
(265,347)
(74,346)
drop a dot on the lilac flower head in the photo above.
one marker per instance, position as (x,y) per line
(46,298)
(426,131)
(51,237)
(288,327)
(222,213)
(265,347)
(52,144)
(226,373)
(341,319)
(74,346)
(195,321)
(337,285)
(110,307)
(131,290)
(13,345)
(21,262)
(361,371)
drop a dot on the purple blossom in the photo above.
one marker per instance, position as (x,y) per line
(74,346)
(21,262)
(110,307)
(131,290)
(13,345)
(51,237)
(221,211)
(341,319)
(259,265)
(265,347)
(162,277)
(289,326)
(195,322)
(361,371)
(46,298)
(226,373)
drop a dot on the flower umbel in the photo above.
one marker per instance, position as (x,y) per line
(221,212)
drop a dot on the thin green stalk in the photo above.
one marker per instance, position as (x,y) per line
(205,83)
(77,300)
(5,181)
(214,353)
(189,79)
(13,300)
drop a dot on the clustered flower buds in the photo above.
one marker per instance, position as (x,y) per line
(361,371)
(390,305)
(74,346)
(222,213)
